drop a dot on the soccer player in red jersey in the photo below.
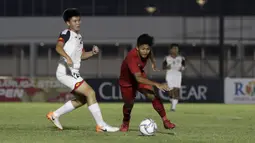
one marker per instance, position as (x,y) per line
(133,78)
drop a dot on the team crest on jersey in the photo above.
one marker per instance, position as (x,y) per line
(60,39)
(77,84)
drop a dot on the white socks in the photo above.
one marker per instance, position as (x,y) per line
(67,107)
(96,113)
(174,103)
(94,109)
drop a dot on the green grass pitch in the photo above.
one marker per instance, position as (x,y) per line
(196,123)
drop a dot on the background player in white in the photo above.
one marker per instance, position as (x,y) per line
(174,64)
(70,47)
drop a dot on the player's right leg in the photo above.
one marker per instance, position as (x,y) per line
(128,96)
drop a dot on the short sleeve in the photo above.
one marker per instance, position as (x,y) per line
(64,36)
(133,65)
(165,59)
(183,61)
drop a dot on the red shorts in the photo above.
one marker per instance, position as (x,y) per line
(129,92)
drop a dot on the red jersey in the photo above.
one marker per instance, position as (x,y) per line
(132,64)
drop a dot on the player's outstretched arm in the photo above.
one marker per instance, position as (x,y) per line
(60,51)
(140,79)
(136,71)
(86,55)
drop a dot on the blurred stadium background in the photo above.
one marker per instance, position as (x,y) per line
(216,37)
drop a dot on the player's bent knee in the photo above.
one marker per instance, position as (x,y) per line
(82,101)
(91,93)
(77,103)
(91,97)
(87,91)
(79,98)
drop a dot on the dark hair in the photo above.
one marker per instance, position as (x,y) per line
(69,13)
(145,39)
(174,45)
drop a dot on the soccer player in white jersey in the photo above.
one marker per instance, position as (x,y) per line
(70,48)
(174,64)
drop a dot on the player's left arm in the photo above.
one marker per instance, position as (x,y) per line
(86,55)
(183,64)
(165,66)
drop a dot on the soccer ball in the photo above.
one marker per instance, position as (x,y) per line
(148,127)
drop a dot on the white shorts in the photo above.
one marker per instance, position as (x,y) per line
(173,81)
(64,75)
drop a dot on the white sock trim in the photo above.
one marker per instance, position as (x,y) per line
(174,103)
(96,113)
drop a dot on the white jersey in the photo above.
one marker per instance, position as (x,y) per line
(174,74)
(176,64)
(73,46)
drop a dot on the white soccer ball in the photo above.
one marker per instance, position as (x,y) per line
(148,127)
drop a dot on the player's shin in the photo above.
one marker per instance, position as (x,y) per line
(66,108)
(156,103)
(97,115)
(95,109)
(159,107)
(171,98)
(127,108)
(175,98)
(71,105)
